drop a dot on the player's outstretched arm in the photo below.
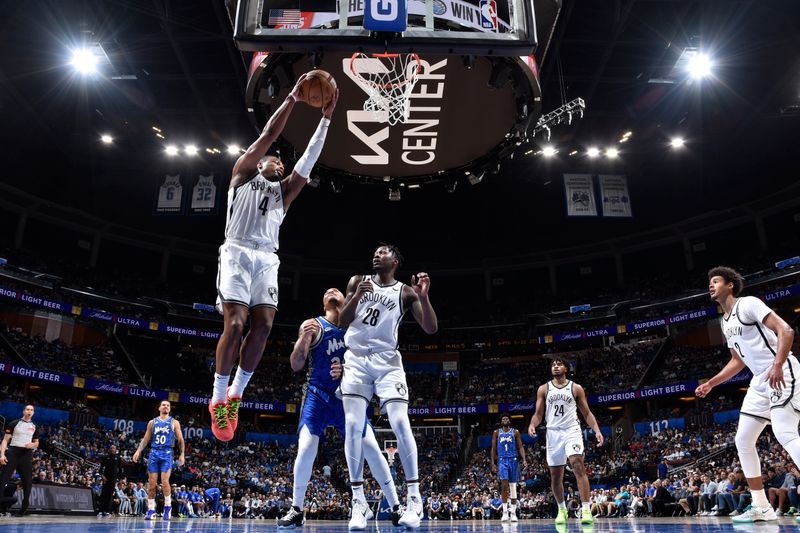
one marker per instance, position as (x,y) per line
(147,434)
(294,183)
(494,450)
(583,405)
(247,164)
(538,414)
(734,366)
(520,447)
(356,288)
(421,306)
(176,427)
(308,333)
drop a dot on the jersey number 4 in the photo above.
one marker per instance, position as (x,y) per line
(371,317)
(559,410)
(262,206)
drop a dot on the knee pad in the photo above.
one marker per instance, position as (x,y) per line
(512,490)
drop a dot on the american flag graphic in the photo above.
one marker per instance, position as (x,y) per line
(284,16)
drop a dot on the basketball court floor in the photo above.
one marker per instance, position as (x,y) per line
(60,524)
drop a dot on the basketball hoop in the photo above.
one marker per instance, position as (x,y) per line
(388,80)
(390,453)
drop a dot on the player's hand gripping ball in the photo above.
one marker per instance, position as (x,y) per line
(317,88)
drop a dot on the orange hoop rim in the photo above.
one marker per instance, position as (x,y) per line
(385,55)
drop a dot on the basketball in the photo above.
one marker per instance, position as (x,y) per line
(318,88)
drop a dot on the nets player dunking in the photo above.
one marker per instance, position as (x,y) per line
(760,340)
(164,431)
(321,344)
(373,308)
(558,401)
(247,282)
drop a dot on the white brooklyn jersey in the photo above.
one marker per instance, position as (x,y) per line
(378,316)
(746,333)
(561,410)
(255,212)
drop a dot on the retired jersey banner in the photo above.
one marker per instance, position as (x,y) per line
(169,197)
(204,196)
(579,192)
(616,199)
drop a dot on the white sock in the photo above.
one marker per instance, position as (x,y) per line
(585,507)
(562,505)
(760,499)
(413,489)
(512,508)
(240,381)
(151,504)
(220,384)
(167,502)
(307,445)
(358,493)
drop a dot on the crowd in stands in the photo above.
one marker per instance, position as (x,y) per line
(681,363)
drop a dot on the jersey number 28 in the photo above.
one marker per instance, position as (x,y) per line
(371,318)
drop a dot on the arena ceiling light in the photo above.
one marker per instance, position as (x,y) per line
(106,138)
(549,151)
(190,150)
(612,153)
(677,142)
(84,60)
(699,65)
(593,152)
(233,149)
(171,150)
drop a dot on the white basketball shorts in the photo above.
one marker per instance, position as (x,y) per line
(379,374)
(247,275)
(760,398)
(563,443)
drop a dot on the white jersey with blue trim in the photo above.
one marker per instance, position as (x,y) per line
(377,319)
(561,409)
(746,333)
(255,212)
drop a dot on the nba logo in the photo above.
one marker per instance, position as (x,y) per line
(489,14)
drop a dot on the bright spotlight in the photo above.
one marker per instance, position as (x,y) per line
(611,153)
(190,149)
(593,152)
(699,66)
(84,61)
(677,142)
(549,151)
(233,149)
(171,150)
(106,138)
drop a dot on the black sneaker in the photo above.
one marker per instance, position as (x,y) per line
(292,519)
(397,512)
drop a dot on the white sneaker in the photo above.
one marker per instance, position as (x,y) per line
(513,517)
(370,514)
(755,514)
(504,518)
(735,513)
(358,516)
(413,513)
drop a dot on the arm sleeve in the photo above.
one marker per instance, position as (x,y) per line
(309,158)
(751,309)
(10,427)
(35,433)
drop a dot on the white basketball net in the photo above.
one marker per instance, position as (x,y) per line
(388,80)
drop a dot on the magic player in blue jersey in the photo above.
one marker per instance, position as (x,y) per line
(506,445)
(321,343)
(164,431)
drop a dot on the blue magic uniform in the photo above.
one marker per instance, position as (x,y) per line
(161,443)
(507,457)
(321,407)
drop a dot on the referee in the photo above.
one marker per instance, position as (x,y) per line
(16,453)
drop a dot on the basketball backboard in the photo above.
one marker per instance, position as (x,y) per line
(479,27)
